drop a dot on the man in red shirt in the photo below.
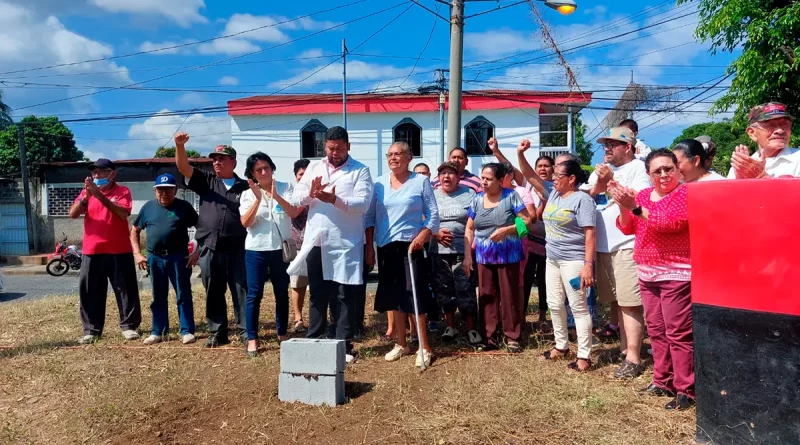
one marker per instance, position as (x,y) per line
(107,253)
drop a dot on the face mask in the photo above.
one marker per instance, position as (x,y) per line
(101,182)
(229,182)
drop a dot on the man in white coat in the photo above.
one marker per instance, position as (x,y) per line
(337,191)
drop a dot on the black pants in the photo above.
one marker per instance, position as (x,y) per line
(96,271)
(534,272)
(220,271)
(341,298)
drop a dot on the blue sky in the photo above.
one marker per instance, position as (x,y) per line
(43,33)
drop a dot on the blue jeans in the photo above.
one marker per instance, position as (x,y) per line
(259,267)
(163,271)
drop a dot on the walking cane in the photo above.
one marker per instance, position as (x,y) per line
(416,308)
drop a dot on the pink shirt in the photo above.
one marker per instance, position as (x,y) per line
(661,249)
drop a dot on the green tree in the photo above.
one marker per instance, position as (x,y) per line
(169,152)
(5,113)
(726,135)
(768,33)
(46,140)
(583,148)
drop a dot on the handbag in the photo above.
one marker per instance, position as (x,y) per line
(288,247)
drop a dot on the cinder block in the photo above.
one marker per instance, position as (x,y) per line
(312,356)
(311,389)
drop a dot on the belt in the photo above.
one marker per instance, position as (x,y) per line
(166,252)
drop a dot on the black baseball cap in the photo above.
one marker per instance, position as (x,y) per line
(102,163)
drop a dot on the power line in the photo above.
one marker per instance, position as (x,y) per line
(424,48)
(219,62)
(182,45)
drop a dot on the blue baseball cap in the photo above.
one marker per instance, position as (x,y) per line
(166,180)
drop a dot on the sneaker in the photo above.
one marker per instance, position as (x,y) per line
(130,334)
(650,352)
(153,339)
(628,370)
(188,338)
(88,339)
(450,334)
(474,338)
(396,353)
(349,358)
(427,354)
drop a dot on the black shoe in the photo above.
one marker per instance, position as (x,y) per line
(656,391)
(243,337)
(215,341)
(680,403)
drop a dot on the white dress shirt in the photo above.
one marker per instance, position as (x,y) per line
(338,229)
(271,224)
(786,163)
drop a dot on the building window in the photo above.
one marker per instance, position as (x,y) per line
(409,132)
(312,138)
(59,200)
(477,134)
(553,131)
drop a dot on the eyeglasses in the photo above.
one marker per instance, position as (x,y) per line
(559,175)
(663,171)
(771,126)
(612,145)
(394,155)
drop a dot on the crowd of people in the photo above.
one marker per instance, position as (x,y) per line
(453,242)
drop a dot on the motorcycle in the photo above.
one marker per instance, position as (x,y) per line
(63,259)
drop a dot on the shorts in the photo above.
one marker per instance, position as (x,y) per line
(453,288)
(618,279)
(394,280)
(296,281)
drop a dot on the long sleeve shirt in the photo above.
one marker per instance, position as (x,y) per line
(338,229)
(399,215)
(661,249)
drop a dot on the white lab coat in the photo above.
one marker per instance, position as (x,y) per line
(337,228)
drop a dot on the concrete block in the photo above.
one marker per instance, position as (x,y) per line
(312,356)
(311,389)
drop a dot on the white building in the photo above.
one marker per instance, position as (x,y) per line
(291,127)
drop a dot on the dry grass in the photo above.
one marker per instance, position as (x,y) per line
(54,393)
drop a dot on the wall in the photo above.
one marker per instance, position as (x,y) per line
(371,135)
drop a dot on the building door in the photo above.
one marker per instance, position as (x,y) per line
(13,229)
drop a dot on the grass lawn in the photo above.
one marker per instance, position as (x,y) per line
(53,392)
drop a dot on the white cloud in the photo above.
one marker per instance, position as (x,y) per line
(597,11)
(228,80)
(310,54)
(356,70)
(183,12)
(30,40)
(192,98)
(499,43)
(244,22)
(231,46)
(158,47)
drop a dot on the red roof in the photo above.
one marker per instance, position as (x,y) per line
(400,102)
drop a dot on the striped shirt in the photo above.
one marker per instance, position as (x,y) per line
(467,180)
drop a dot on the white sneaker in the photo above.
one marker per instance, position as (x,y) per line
(420,353)
(348,358)
(153,339)
(88,339)
(188,338)
(130,334)
(396,353)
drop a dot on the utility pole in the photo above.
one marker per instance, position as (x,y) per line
(344,84)
(23,159)
(456,62)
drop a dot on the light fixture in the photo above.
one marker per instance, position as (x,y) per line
(565,7)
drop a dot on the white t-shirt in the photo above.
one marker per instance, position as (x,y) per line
(609,237)
(712,176)
(263,235)
(786,163)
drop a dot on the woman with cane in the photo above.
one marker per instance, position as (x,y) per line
(404,214)
(492,230)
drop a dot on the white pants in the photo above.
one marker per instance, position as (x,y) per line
(557,276)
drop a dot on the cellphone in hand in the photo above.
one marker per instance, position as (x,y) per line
(575,283)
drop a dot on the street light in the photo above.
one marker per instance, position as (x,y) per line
(565,7)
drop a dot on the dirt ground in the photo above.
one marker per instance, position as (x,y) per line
(54,392)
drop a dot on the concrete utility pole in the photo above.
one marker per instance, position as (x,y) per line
(26,191)
(344,84)
(456,62)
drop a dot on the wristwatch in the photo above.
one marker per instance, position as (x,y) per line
(637,211)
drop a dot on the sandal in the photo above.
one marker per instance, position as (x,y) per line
(575,367)
(299,327)
(609,333)
(544,327)
(548,355)
(385,337)
(514,347)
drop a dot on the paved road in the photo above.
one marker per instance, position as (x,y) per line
(18,287)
